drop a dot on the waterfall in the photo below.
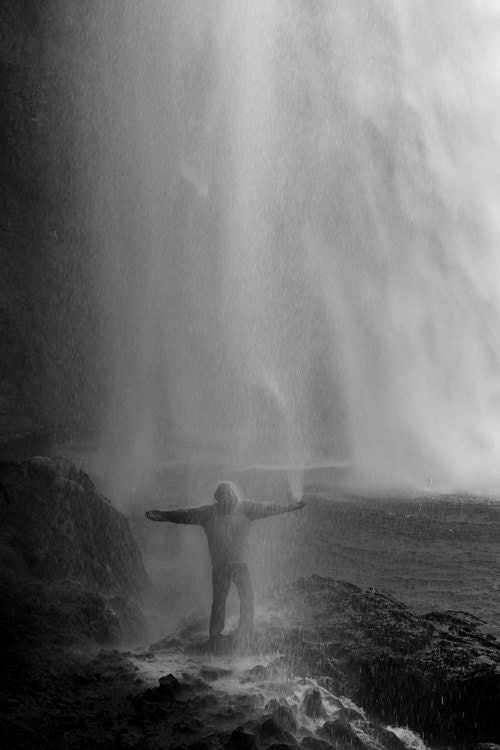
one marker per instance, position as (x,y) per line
(298,218)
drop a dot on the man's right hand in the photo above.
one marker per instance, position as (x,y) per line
(154,515)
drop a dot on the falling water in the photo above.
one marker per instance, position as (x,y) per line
(298,210)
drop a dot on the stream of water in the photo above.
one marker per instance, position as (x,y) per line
(299,229)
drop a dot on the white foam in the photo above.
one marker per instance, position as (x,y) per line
(410,738)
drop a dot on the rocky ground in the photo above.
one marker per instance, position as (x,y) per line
(329,664)
(69,565)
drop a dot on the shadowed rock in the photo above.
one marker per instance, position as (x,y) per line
(284,718)
(270,731)
(169,685)
(313,705)
(349,714)
(241,740)
(63,528)
(214,673)
(437,673)
(68,561)
(341,733)
(313,743)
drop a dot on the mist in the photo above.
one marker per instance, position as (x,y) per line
(296,208)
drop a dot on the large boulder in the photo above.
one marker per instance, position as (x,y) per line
(69,565)
(59,527)
(438,673)
(35,613)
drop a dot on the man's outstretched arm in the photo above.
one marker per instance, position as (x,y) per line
(255,511)
(185,515)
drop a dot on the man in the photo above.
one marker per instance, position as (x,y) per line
(227,524)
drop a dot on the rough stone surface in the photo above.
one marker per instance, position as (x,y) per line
(284,718)
(269,729)
(341,733)
(61,527)
(214,673)
(312,705)
(313,743)
(241,740)
(438,673)
(68,561)
(113,701)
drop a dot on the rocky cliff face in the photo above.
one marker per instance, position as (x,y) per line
(68,561)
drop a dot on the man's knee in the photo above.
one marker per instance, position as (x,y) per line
(244,584)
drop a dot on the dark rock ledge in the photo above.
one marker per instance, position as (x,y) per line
(437,673)
(69,565)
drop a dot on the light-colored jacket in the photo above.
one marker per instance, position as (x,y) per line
(227,533)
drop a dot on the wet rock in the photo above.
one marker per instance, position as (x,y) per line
(334,686)
(437,673)
(284,718)
(128,739)
(192,727)
(166,644)
(43,468)
(108,655)
(313,743)
(448,696)
(214,673)
(155,695)
(67,488)
(384,737)
(193,684)
(340,732)
(145,656)
(312,705)
(259,672)
(211,742)
(132,621)
(249,701)
(169,685)
(242,740)
(270,730)
(61,612)
(202,702)
(229,715)
(64,529)
(349,714)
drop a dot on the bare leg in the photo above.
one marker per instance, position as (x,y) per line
(221,581)
(241,577)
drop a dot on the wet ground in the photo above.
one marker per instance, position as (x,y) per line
(178,696)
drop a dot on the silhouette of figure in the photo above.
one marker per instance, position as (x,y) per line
(227,525)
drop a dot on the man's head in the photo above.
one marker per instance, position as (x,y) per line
(226,496)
